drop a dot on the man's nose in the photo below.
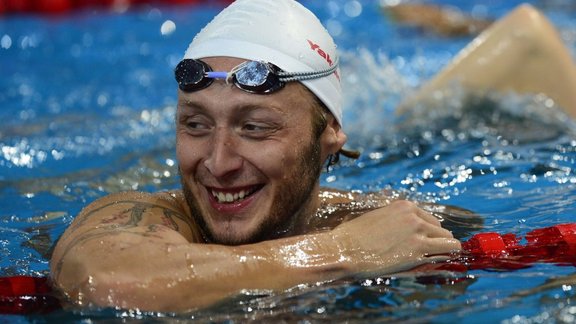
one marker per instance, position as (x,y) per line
(223,158)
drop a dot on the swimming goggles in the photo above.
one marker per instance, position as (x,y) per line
(251,76)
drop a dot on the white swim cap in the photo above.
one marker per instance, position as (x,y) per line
(281,32)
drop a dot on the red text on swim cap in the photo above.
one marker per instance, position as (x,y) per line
(317,49)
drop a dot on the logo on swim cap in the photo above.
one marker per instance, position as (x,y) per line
(324,55)
(282,32)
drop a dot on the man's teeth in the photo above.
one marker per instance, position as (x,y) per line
(229,197)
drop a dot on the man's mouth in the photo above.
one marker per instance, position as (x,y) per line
(229,197)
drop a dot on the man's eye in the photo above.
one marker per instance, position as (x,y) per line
(196,125)
(258,130)
(255,127)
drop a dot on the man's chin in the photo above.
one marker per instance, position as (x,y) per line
(235,237)
(246,231)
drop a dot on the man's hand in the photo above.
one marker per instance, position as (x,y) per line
(395,238)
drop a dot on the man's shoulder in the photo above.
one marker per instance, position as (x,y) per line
(169,199)
(133,208)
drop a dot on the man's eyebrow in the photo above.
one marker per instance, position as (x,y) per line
(187,106)
(240,106)
(255,107)
(187,102)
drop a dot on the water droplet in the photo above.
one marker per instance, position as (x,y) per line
(6,42)
(167,28)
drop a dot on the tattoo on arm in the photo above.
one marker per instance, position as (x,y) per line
(121,222)
(133,215)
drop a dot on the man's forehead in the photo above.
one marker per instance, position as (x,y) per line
(291,98)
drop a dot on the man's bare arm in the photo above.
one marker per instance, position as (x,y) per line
(522,52)
(135,251)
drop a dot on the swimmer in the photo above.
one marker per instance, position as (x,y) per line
(259,115)
(521,53)
(442,20)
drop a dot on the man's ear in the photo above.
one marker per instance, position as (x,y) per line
(333,137)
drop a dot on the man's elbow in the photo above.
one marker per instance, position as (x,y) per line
(99,288)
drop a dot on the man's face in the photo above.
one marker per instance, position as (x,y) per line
(249,163)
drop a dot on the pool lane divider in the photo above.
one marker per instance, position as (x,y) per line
(26,295)
(8,7)
(21,295)
(554,244)
(507,252)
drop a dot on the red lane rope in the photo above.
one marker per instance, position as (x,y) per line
(555,244)
(8,7)
(20,295)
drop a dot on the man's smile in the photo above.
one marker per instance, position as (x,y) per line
(224,196)
(232,200)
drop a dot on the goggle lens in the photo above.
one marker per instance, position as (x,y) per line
(257,77)
(191,75)
(252,74)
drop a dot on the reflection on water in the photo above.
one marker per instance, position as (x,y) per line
(67,141)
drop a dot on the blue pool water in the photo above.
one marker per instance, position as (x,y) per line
(87,109)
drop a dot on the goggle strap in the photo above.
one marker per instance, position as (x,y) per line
(217,75)
(227,76)
(299,76)
(282,76)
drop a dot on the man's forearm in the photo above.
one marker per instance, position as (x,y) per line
(120,253)
(136,268)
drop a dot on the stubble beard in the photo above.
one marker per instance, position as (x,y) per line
(290,204)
